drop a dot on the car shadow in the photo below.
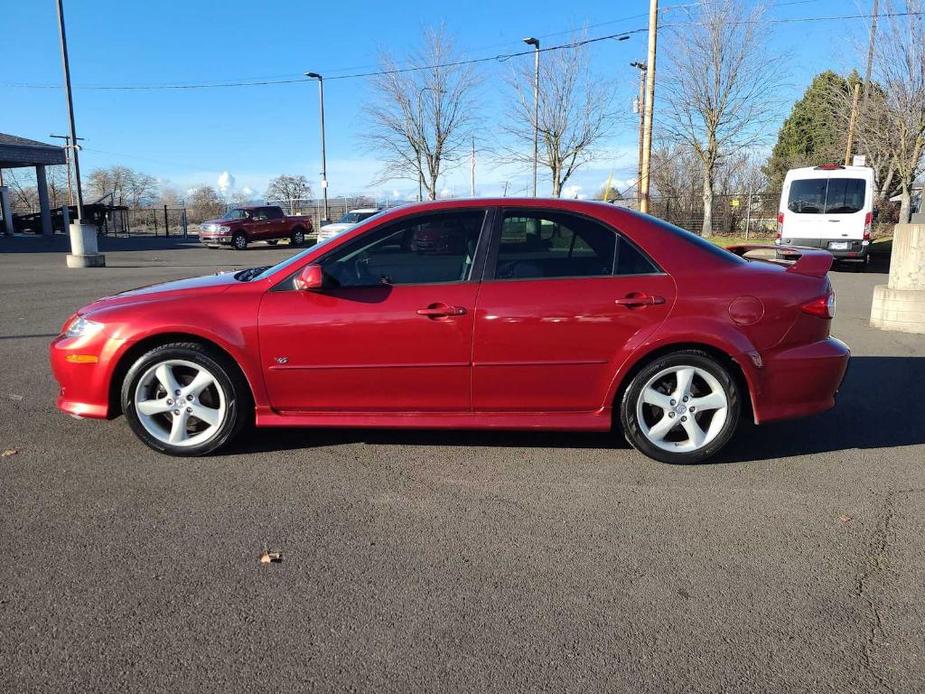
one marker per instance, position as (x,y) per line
(869,413)
(874,409)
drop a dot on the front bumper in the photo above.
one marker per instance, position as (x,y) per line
(215,239)
(800,381)
(84,385)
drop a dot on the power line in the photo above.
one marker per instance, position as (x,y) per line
(501,57)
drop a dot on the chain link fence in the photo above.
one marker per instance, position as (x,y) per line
(743,215)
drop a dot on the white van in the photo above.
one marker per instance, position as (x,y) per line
(830,207)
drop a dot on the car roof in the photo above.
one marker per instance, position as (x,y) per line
(364,209)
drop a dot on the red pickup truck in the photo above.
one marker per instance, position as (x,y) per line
(244,225)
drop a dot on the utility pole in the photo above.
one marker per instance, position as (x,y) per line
(647,109)
(472,173)
(640,109)
(67,162)
(531,41)
(870,52)
(852,122)
(324,160)
(83,236)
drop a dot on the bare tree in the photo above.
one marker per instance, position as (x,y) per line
(422,118)
(286,187)
(204,202)
(901,73)
(574,113)
(718,85)
(127,186)
(24,192)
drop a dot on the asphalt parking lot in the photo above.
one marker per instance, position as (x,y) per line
(453,560)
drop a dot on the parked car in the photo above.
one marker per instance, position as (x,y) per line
(243,225)
(829,206)
(348,220)
(484,314)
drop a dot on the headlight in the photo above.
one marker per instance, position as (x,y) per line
(222,229)
(82,327)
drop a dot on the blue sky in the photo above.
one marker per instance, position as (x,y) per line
(187,137)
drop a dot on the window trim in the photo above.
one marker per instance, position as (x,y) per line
(491,260)
(478,262)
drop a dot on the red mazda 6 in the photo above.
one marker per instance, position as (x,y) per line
(493,313)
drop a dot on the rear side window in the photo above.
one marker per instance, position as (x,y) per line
(826,196)
(545,245)
(274,213)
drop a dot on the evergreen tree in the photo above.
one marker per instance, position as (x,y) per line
(814,132)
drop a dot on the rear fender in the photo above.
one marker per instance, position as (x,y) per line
(691,333)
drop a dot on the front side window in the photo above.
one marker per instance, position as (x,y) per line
(420,250)
(826,196)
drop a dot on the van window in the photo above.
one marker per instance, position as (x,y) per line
(826,195)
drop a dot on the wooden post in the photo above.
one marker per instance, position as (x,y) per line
(650,100)
(851,123)
(166,222)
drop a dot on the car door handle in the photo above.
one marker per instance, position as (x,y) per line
(638,299)
(441,311)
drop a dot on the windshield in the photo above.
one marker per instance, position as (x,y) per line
(294,260)
(235,214)
(827,196)
(350,218)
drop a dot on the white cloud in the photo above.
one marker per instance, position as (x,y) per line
(572,191)
(225,182)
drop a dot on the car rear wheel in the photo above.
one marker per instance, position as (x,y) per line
(183,400)
(298,237)
(683,407)
(239,241)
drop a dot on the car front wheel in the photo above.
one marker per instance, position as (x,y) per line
(683,407)
(183,400)
(239,241)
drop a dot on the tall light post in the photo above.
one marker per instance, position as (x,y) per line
(531,41)
(324,161)
(83,236)
(640,109)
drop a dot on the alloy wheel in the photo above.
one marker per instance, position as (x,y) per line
(682,408)
(180,403)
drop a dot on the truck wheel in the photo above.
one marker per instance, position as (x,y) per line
(239,241)
(298,237)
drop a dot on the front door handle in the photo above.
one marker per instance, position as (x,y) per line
(441,311)
(639,299)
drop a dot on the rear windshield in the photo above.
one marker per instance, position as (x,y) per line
(696,240)
(827,196)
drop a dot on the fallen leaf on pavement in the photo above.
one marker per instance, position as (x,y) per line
(844,519)
(268,557)
(7,452)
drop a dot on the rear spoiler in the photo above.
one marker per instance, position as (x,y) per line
(814,262)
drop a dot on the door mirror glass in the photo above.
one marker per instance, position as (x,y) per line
(310,279)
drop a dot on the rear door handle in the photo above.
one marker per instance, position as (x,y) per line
(441,311)
(639,299)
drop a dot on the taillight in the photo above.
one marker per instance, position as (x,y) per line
(780,224)
(821,307)
(868,224)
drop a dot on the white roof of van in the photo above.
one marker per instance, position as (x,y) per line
(827,169)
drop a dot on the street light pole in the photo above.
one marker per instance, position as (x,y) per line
(324,161)
(531,41)
(70,111)
(641,108)
(84,248)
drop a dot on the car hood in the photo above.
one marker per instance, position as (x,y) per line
(336,228)
(219,220)
(165,290)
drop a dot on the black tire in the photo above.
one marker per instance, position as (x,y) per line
(700,360)
(273,242)
(239,241)
(239,407)
(297,238)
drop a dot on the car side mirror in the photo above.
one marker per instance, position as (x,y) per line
(310,279)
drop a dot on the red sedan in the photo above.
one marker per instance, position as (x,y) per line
(481,314)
